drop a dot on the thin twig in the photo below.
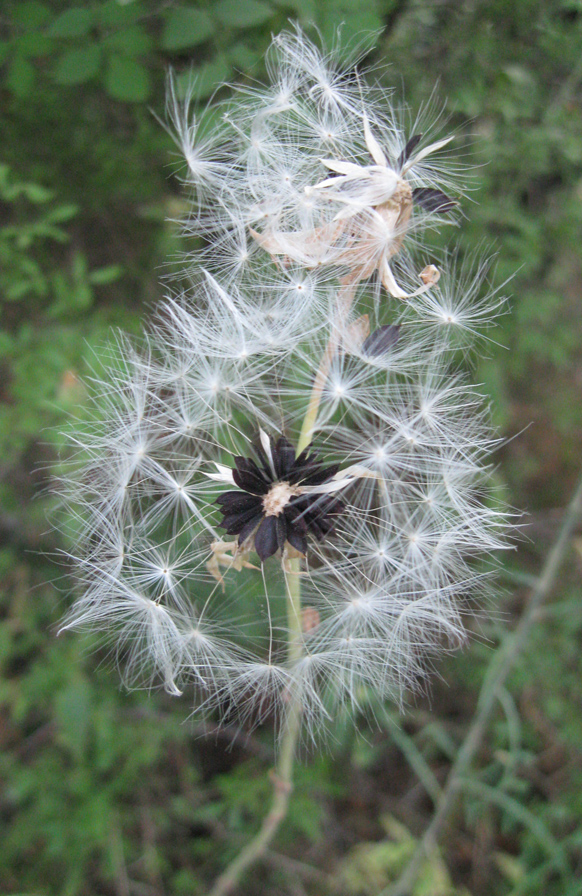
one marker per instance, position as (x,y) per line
(276,860)
(414,758)
(497,675)
(229,879)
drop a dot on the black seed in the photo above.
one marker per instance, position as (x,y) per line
(248,477)
(235,502)
(249,528)
(303,457)
(243,512)
(234,522)
(282,531)
(247,465)
(266,538)
(315,528)
(433,200)
(299,542)
(408,150)
(320,516)
(319,475)
(266,466)
(283,457)
(296,518)
(381,341)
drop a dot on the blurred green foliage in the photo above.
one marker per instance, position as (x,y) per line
(39,284)
(110,793)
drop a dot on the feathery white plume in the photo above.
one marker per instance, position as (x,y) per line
(276,398)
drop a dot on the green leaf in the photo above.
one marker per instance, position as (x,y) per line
(34,43)
(79,267)
(354,22)
(72,23)
(206,78)
(235,14)
(37,193)
(20,77)
(106,275)
(17,291)
(6,343)
(242,57)
(113,14)
(73,714)
(79,65)
(31,14)
(131,41)
(127,80)
(62,213)
(305,9)
(186,28)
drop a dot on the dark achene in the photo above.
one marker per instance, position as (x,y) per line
(271,499)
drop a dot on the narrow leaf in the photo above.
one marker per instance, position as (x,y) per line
(79,65)
(186,28)
(234,14)
(72,23)
(127,80)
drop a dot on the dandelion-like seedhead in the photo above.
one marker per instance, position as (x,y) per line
(280,493)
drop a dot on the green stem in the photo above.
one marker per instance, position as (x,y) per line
(344,303)
(282,775)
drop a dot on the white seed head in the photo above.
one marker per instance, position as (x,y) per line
(306,204)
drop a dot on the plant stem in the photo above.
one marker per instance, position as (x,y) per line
(282,776)
(344,303)
(501,667)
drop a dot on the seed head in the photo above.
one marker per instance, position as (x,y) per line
(276,400)
(284,498)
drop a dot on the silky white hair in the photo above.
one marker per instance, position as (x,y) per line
(235,350)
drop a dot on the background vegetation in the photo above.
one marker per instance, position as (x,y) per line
(108,793)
